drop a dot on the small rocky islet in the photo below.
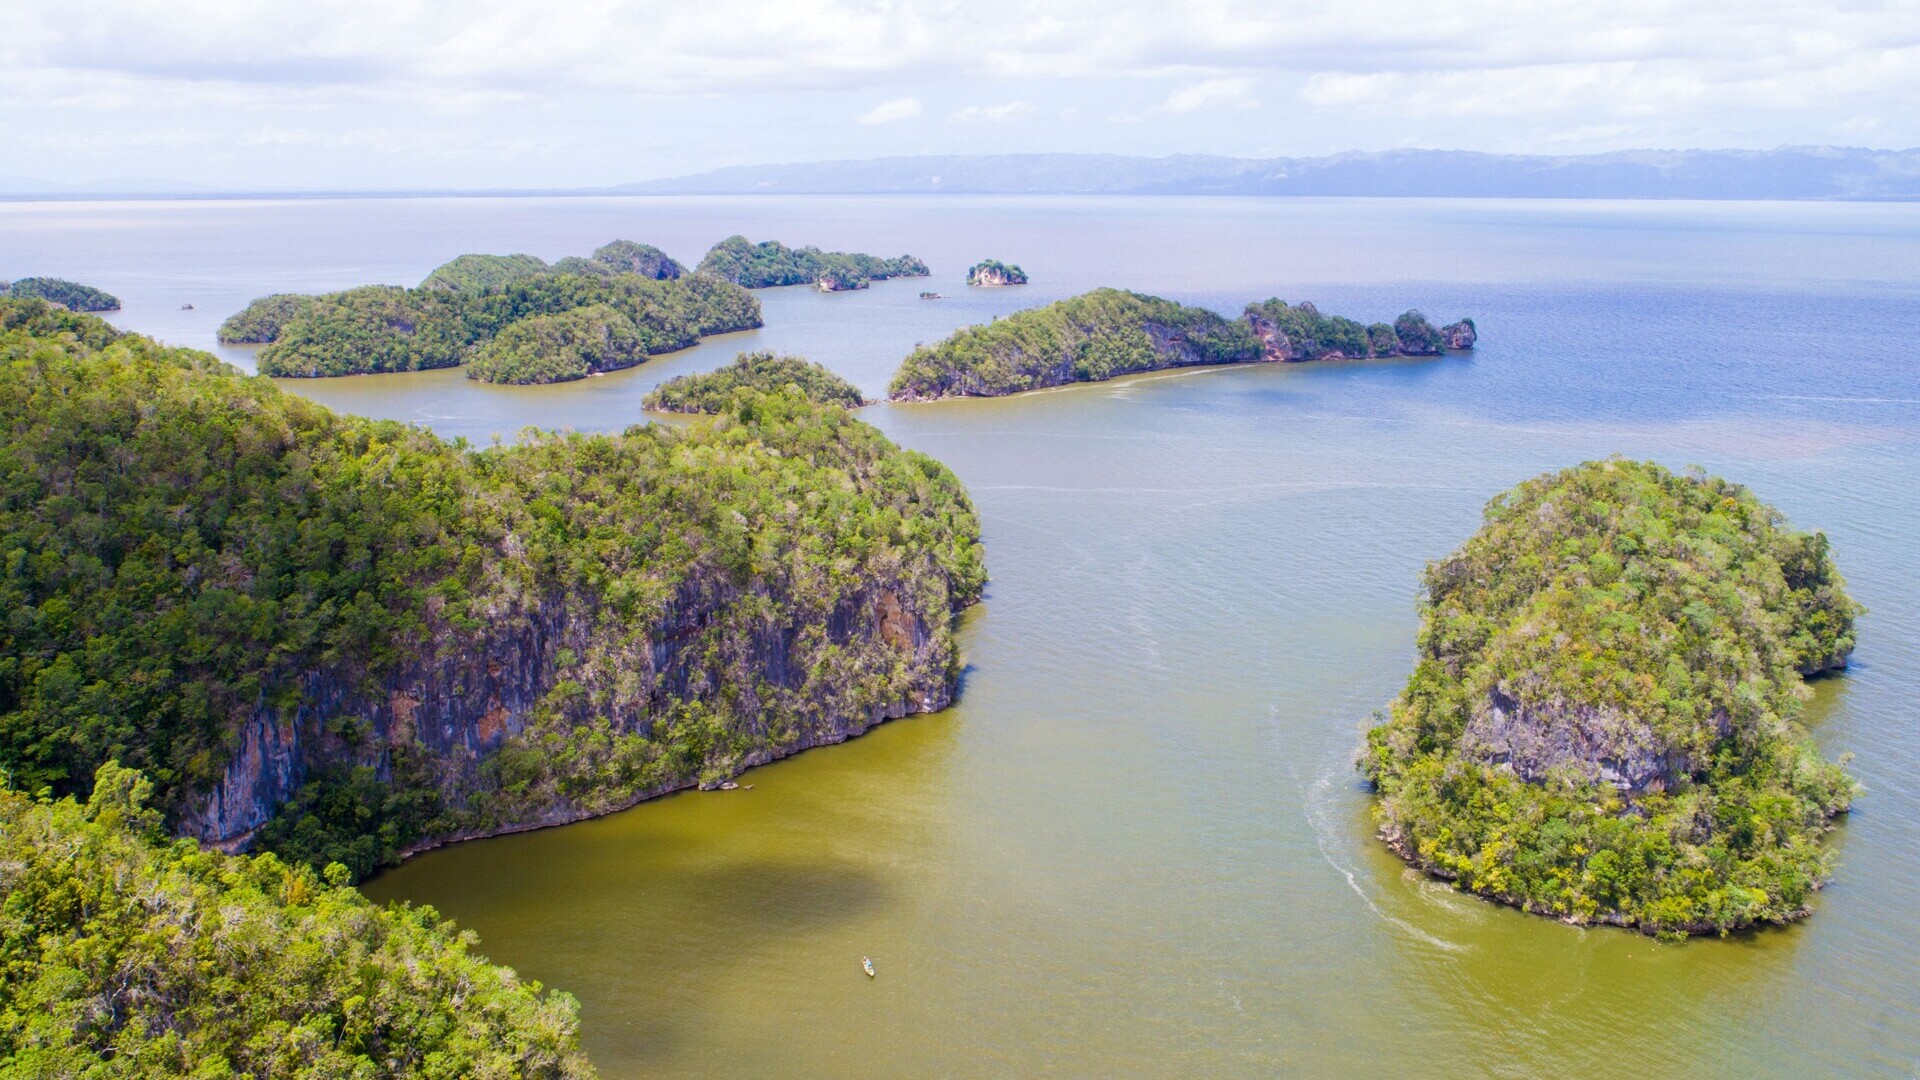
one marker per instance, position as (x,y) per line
(993,274)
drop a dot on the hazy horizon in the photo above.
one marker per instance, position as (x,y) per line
(398,96)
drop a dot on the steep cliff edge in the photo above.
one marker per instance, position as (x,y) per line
(344,639)
(1603,721)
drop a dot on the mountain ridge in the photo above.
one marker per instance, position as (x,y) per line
(1804,172)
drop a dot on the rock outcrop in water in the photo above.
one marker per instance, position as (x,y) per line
(1108,333)
(992,274)
(1603,721)
(343,639)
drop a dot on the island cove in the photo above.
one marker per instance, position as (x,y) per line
(350,639)
(1107,333)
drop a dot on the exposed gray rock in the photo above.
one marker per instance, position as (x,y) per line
(1460,335)
(1534,740)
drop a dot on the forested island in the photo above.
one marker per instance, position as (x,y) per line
(128,954)
(753,373)
(68,294)
(513,318)
(1110,332)
(341,639)
(1603,721)
(992,273)
(770,263)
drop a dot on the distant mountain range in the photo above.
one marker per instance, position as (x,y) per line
(1801,172)
(1791,172)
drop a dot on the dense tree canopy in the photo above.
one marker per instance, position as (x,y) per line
(1094,336)
(627,257)
(463,305)
(1107,332)
(1603,721)
(183,544)
(474,273)
(770,263)
(262,320)
(760,372)
(68,294)
(995,272)
(556,348)
(124,955)
(1301,332)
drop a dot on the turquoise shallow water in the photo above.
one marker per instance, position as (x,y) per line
(1137,846)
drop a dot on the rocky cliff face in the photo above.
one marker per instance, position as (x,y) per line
(463,701)
(995,275)
(1595,744)
(1459,336)
(837,282)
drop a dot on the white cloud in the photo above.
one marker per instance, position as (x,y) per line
(1210,92)
(993,114)
(683,86)
(888,112)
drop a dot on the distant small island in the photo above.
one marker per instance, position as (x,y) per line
(68,294)
(771,263)
(992,273)
(759,373)
(1603,721)
(1110,332)
(511,318)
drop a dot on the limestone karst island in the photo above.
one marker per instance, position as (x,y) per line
(1110,332)
(842,540)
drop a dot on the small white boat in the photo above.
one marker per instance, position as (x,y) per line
(866,965)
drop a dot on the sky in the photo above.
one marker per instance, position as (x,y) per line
(385,94)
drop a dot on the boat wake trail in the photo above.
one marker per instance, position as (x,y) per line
(1318,800)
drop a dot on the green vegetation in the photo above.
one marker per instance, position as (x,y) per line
(761,372)
(123,955)
(1094,336)
(474,273)
(1107,332)
(1301,332)
(555,348)
(262,320)
(368,330)
(638,298)
(627,257)
(1602,724)
(769,263)
(68,294)
(189,551)
(458,311)
(995,272)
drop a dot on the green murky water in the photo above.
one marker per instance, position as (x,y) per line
(1137,846)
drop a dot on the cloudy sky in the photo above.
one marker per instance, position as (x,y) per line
(513,93)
